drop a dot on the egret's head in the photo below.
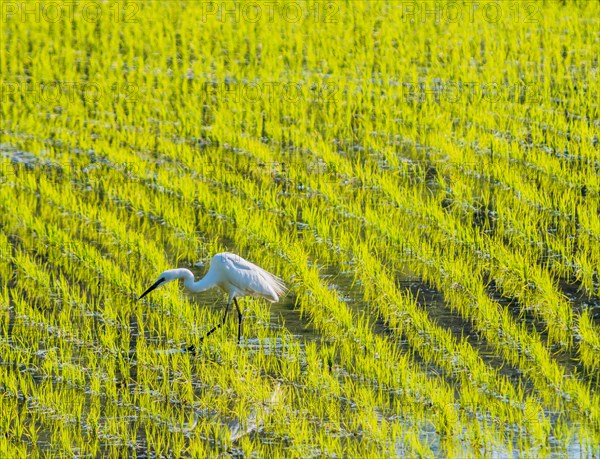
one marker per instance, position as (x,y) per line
(164,278)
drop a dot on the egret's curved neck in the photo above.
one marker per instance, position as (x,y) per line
(203,284)
(187,276)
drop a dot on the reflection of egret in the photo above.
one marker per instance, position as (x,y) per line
(236,276)
(238,428)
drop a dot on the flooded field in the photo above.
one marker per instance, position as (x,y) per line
(424,176)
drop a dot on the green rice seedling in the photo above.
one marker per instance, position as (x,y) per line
(152,137)
(590,343)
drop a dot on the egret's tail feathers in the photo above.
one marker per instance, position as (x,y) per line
(275,287)
(279,287)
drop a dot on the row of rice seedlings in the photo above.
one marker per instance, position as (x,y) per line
(460,361)
(489,387)
(304,214)
(404,316)
(595,404)
(546,288)
(458,188)
(311,242)
(495,153)
(63,340)
(559,250)
(412,216)
(236,70)
(451,235)
(12,426)
(39,359)
(455,285)
(536,426)
(528,282)
(533,286)
(546,202)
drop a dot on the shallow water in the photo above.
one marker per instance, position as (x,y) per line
(284,315)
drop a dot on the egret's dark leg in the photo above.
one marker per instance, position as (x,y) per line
(237,306)
(210,332)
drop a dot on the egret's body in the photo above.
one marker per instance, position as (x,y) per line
(232,274)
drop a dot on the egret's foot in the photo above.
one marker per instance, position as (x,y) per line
(192,349)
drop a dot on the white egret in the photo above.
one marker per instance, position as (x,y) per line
(236,276)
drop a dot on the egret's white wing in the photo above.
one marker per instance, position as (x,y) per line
(248,278)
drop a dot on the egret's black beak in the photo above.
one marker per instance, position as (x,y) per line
(152,287)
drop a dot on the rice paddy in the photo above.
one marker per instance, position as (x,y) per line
(424,176)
